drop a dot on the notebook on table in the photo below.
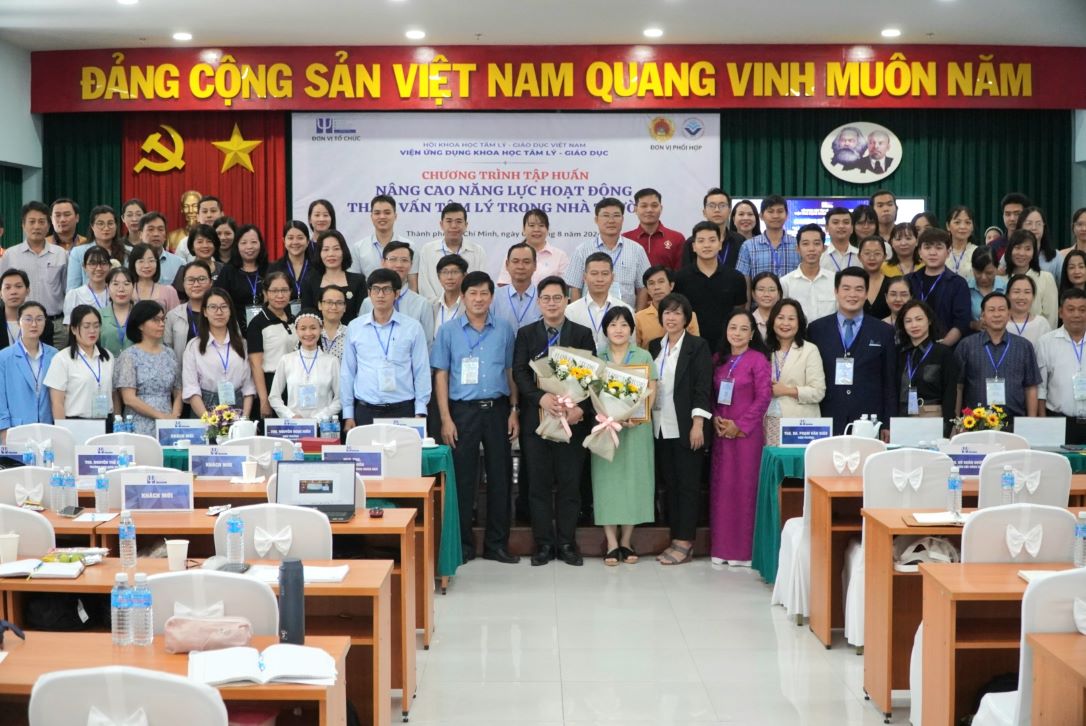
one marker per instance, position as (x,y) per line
(327,486)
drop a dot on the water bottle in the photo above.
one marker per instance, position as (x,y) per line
(235,540)
(130,424)
(1080,540)
(291,601)
(143,623)
(324,427)
(127,537)
(336,428)
(1006,485)
(120,601)
(299,453)
(56,490)
(71,493)
(101,492)
(48,458)
(28,455)
(277,455)
(954,492)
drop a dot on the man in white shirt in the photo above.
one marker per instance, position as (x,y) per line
(515,302)
(628,258)
(366,253)
(398,257)
(450,271)
(45,265)
(589,310)
(839,252)
(811,284)
(454,222)
(1059,356)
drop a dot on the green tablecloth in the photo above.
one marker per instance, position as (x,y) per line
(434,461)
(778,463)
(1077,459)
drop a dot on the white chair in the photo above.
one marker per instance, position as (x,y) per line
(42,437)
(262,450)
(272,490)
(36,536)
(985,538)
(1040,477)
(899,479)
(21,483)
(202,590)
(1009,441)
(1047,607)
(402,445)
(146,449)
(275,531)
(119,692)
(116,489)
(833,456)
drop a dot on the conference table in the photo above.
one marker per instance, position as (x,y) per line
(44,652)
(358,607)
(1059,678)
(835,519)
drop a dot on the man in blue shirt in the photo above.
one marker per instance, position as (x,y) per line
(472,360)
(385,371)
(515,303)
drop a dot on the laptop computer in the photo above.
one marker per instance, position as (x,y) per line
(327,486)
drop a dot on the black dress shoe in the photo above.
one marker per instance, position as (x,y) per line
(469,554)
(568,553)
(543,555)
(501,555)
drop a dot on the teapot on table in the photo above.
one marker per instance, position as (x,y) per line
(241,429)
(864,427)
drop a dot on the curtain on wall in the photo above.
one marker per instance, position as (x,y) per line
(81,159)
(11,199)
(950,157)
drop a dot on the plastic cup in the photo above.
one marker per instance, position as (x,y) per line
(177,552)
(9,547)
(248,470)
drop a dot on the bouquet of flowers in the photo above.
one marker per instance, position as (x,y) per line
(569,374)
(219,420)
(981,418)
(617,398)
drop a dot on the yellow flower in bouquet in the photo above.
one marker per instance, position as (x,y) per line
(969,422)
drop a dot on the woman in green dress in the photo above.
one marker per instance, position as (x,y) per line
(623,488)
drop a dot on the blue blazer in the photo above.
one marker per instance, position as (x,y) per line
(18,403)
(874,378)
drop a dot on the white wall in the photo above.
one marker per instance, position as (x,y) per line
(20,132)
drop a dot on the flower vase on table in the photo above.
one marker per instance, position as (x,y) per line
(219,420)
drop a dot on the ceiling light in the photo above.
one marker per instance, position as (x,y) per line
(127,2)
(182,36)
(415,34)
(891,32)
(652,32)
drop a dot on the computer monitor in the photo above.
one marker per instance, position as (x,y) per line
(315,484)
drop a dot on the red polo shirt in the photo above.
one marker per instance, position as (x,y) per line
(664,246)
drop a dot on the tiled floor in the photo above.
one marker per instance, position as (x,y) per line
(640,644)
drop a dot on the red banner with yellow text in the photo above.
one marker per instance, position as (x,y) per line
(557,77)
(239,158)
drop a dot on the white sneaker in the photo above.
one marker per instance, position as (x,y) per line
(717,561)
(739,563)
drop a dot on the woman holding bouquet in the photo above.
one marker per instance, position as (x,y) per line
(622,489)
(742,390)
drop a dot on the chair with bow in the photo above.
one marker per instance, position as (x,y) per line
(116,487)
(1011,533)
(1053,604)
(917,479)
(207,593)
(1009,441)
(123,696)
(262,450)
(402,446)
(833,456)
(36,536)
(42,437)
(146,449)
(24,484)
(275,531)
(1040,477)
(272,490)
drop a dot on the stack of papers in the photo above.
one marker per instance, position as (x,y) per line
(1031,575)
(282,663)
(45,570)
(96,516)
(938,518)
(311,573)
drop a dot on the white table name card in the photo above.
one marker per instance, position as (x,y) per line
(171,430)
(293,429)
(217,461)
(160,491)
(89,459)
(369,462)
(802,431)
(968,457)
(419,424)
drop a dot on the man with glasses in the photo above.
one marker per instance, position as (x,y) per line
(385,372)
(45,264)
(398,258)
(628,259)
(716,207)
(65,217)
(450,271)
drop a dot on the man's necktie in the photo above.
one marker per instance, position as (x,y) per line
(850,333)
(878,166)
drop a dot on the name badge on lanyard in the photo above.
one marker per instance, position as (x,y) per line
(843,371)
(295,307)
(995,391)
(101,404)
(469,371)
(307,392)
(1078,382)
(226,393)
(914,402)
(251,311)
(727,385)
(386,374)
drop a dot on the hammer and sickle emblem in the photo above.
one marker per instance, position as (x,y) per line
(172,158)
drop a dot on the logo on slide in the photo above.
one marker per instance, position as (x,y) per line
(693,128)
(327,125)
(661,128)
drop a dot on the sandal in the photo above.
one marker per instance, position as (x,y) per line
(628,555)
(668,556)
(613,557)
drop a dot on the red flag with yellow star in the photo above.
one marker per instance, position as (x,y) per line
(238,157)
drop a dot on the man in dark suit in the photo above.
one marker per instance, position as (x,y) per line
(553,469)
(876,161)
(858,356)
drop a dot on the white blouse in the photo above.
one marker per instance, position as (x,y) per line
(80,379)
(297,369)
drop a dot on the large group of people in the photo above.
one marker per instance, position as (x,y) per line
(739,325)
